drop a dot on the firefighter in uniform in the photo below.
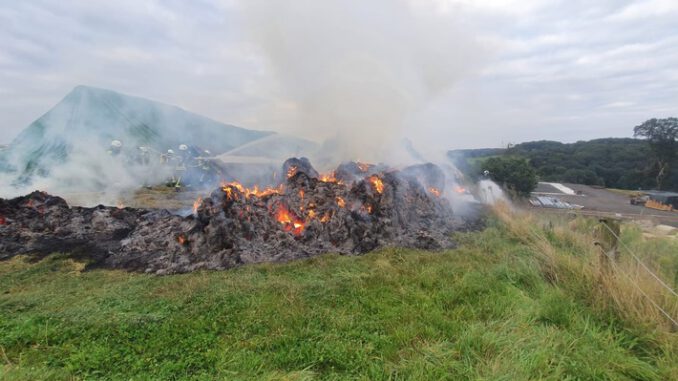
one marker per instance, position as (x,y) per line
(115,148)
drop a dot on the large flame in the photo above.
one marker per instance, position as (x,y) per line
(289,221)
(249,192)
(377,184)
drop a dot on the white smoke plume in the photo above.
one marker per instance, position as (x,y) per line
(355,72)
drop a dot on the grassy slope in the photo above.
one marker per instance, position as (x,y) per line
(484,311)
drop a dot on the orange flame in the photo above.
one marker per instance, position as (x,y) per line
(328,177)
(269,191)
(325,218)
(434,191)
(196,204)
(377,184)
(181,238)
(291,171)
(340,202)
(229,189)
(311,213)
(364,167)
(289,221)
(229,192)
(248,192)
(459,189)
(301,194)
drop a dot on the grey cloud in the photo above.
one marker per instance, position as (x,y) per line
(561,69)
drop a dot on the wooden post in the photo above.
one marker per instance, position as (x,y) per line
(606,234)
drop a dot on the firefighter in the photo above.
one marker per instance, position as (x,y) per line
(180,167)
(168,157)
(144,156)
(115,148)
(207,171)
(184,154)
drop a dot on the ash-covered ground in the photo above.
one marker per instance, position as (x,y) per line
(356,209)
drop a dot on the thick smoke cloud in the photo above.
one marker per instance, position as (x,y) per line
(355,72)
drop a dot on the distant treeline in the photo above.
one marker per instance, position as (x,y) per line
(614,162)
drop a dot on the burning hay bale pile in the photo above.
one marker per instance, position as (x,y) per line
(356,209)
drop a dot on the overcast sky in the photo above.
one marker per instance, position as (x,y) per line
(533,69)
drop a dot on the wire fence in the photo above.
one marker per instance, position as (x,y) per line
(649,271)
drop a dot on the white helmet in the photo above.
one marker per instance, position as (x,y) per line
(143,149)
(116,144)
(171,152)
(183,147)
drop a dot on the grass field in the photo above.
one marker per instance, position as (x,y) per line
(524,299)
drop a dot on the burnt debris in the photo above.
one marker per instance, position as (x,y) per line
(357,209)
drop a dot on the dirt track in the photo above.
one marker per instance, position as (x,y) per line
(603,202)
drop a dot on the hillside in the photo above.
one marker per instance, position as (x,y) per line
(522,300)
(613,162)
(85,122)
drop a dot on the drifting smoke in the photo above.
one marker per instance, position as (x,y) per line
(355,72)
(89,176)
(352,73)
(86,173)
(67,150)
(490,193)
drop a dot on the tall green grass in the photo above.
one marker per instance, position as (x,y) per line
(521,300)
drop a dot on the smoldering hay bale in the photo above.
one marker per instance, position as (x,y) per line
(235,225)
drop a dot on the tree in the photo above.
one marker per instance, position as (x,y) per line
(662,135)
(513,173)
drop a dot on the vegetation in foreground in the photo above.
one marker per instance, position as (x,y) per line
(523,299)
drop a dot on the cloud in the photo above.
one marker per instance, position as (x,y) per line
(560,69)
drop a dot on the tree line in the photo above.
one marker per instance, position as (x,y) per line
(648,161)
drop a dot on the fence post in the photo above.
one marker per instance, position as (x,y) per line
(606,234)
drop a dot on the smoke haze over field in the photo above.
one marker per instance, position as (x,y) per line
(68,150)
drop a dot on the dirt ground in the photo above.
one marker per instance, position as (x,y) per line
(605,202)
